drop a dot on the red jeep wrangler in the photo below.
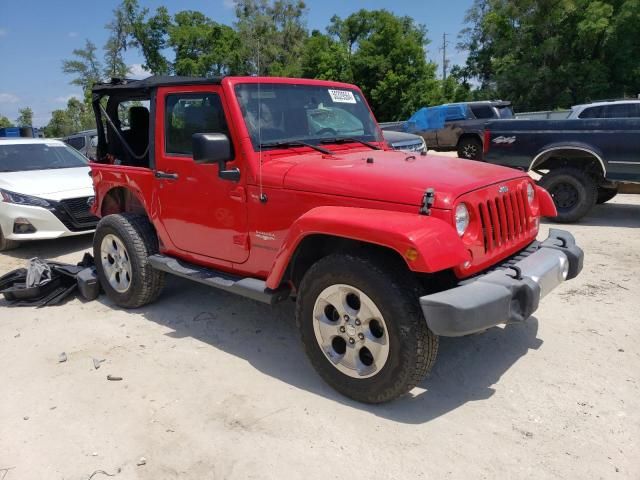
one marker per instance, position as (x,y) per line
(275,188)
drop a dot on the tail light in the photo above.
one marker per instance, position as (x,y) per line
(487,139)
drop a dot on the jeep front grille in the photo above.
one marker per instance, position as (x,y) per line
(504,219)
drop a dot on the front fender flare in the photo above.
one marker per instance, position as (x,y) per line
(436,242)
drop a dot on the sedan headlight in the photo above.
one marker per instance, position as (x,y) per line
(531,193)
(462,219)
(21,199)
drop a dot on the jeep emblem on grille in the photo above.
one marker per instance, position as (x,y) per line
(503,189)
(90,201)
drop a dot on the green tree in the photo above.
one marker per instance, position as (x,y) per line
(544,54)
(149,33)
(116,45)
(273,33)
(382,53)
(202,47)
(25,117)
(86,67)
(59,126)
(5,122)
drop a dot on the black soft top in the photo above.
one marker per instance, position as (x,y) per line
(123,85)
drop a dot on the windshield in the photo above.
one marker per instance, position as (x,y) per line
(20,157)
(308,113)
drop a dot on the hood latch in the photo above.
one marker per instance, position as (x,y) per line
(427,201)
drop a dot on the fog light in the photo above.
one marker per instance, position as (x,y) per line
(22,225)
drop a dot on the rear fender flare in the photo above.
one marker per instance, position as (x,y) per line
(436,242)
(549,150)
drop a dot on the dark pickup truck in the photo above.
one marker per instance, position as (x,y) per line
(463,127)
(581,162)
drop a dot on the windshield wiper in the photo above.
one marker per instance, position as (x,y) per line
(295,143)
(348,140)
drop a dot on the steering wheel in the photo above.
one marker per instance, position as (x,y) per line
(327,132)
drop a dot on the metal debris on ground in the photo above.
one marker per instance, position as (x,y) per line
(62,357)
(97,362)
(142,461)
(114,378)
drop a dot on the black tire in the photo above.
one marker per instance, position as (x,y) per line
(140,240)
(574,193)
(412,346)
(470,148)
(7,244)
(606,194)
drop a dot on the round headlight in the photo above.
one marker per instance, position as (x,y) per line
(462,219)
(531,193)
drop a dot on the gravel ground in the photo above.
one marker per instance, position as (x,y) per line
(215,386)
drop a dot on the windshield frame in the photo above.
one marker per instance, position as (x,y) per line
(371,132)
(84,162)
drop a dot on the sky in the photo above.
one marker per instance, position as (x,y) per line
(35,36)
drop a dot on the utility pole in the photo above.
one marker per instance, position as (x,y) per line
(444,56)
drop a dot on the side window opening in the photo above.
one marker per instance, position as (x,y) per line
(190,113)
(126,135)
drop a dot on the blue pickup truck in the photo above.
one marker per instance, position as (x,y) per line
(581,162)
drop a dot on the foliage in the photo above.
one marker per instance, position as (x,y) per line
(116,45)
(25,117)
(383,54)
(76,117)
(202,47)
(5,122)
(274,32)
(149,34)
(545,54)
(86,67)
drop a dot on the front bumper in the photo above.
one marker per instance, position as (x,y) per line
(508,294)
(46,223)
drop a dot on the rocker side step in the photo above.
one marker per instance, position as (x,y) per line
(247,287)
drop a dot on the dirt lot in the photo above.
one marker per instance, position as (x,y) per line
(215,386)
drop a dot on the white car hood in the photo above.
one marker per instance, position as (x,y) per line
(53,184)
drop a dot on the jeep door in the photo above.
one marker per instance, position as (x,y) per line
(201,213)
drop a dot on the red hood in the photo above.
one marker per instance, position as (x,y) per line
(389,178)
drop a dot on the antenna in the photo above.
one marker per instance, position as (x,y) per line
(263,197)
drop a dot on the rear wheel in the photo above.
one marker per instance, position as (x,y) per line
(606,194)
(470,148)
(574,193)
(122,245)
(363,329)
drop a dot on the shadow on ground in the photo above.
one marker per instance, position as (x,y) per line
(49,249)
(267,338)
(611,215)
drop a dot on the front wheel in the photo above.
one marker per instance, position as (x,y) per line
(122,245)
(363,329)
(7,244)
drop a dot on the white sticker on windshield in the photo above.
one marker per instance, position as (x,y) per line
(54,144)
(342,96)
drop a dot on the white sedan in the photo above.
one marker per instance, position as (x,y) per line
(45,191)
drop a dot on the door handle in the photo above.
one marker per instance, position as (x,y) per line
(166,176)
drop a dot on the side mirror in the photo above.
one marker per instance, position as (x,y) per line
(214,148)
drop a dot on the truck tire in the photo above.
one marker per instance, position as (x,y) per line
(363,329)
(470,148)
(122,245)
(7,244)
(574,193)
(606,194)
